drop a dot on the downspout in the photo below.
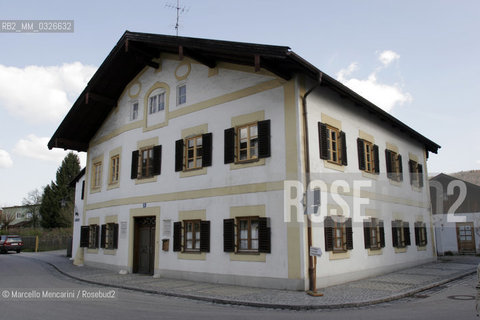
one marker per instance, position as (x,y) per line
(311,265)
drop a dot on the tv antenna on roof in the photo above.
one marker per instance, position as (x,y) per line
(180,10)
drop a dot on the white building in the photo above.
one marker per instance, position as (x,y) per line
(456,215)
(197,154)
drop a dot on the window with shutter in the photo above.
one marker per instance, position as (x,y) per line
(146,162)
(93,236)
(367,156)
(333,145)
(400,234)
(193,152)
(111,236)
(374,234)
(394,165)
(416,173)
(420,234)
(247,143)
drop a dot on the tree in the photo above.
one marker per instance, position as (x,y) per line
(32,202)
(6,219)
(58,197)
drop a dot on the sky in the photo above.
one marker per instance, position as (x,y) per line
(417,60)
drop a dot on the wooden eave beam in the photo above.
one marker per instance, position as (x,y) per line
(91,96)
(209,62)
(65,144)
(142,55)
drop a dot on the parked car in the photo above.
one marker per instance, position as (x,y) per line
(10,243)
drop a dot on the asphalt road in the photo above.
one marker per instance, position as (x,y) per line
(20,275)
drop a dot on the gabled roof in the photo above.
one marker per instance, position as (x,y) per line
(77,178)
(136,50)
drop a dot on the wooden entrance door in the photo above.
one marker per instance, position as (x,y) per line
(465,237)
(144,246)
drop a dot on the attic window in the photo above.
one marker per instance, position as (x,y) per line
(181,94)
(156,103)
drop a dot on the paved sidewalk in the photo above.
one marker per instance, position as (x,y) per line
(388,287)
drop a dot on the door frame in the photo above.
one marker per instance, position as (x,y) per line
(136,242)
(460,251)
(144,212)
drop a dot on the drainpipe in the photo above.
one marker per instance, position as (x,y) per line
(312,269)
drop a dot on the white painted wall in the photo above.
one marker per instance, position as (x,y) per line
(446,231)
(78,216)
(392,205)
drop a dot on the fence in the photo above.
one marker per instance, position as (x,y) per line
(45,243)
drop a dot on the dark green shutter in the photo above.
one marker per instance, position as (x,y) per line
(179,155)
(361,154)
(322,138)
(97,231)
(328,231)
(157,160)
(229,146)
(376,159)
(207,150)
(395,239)
(388,161)
(411,170)
(134,171)
(115,236)
(382,234)
(264,236)
(84,235)
(349,233)
(205,236)
(103,236)
(424,227)
(177,236)
(366,233)
(343,141)
(264,139)
(229,235)
(400,166)
(417,233)
(406,233)
(420,175)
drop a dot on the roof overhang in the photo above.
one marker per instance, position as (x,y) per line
(134,51)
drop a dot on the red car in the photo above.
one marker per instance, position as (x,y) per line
(10,243)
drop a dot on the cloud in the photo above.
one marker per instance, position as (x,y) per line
(386,96)
(388,56)
(42,94)
(36,148)
(5,159)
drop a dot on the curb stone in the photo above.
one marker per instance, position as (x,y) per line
(293,307)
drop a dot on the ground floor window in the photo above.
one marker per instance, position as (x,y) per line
(420,234)
(191,236)
(374,234)
(338,234)
(400,234)
(249,234)
(89,236)
(109,236)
